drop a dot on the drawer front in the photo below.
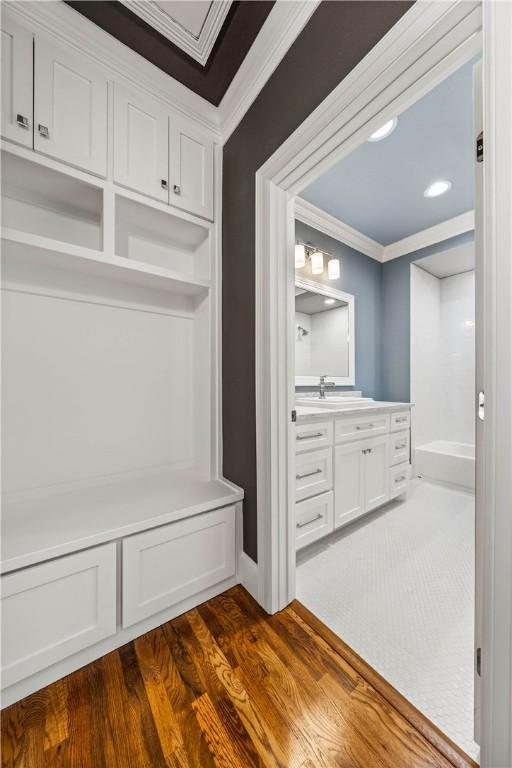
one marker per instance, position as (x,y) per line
(357,427)
(56,609)
(399,479)
(313,473)
(399,448)
(166,565)
(314,435)
(400,420)
(314,518)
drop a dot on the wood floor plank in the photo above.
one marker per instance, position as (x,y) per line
(222,686)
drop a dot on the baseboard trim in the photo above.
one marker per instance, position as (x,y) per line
(453,753)
(248,574)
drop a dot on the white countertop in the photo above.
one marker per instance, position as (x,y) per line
(308,412)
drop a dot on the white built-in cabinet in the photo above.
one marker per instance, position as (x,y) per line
(348,466)
(70,107)
(115,516)
(162,155)
(17,85)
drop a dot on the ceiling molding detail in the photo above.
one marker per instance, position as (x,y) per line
(436,234)
(198,47)
(314,217)
(285,22)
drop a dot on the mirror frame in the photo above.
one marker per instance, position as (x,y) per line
(325,290)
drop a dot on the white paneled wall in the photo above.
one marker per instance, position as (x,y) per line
(443,357)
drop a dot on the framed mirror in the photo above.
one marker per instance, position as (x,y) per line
(324,334)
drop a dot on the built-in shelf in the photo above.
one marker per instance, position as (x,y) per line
(27,249)
(44,526)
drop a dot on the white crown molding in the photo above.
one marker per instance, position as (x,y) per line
(60,22)
(280,30)
(323,222)
(198,47)
(436,234)
(314,217)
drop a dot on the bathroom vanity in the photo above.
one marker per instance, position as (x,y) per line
(352,456)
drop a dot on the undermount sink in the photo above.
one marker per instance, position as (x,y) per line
(333,402)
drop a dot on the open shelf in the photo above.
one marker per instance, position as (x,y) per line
(41,201)
(161,237)
(24,254)
(40,528)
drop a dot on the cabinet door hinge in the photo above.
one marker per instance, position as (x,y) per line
(480,147)
(294,415)
(479,662)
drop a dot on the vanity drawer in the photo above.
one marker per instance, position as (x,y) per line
(356,427)
(53,610)
(399,448)
(399,479)
(317,434)
(400,420)
(313,473)
(314,518)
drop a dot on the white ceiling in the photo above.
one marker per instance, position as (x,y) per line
(453,261)
(192,25)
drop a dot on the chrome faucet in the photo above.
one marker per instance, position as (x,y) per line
(323,385)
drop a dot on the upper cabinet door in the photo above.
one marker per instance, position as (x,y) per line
(70,107)
(17,83)
(141,144)
(191,169)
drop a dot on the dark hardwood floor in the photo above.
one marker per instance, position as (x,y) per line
(223,685)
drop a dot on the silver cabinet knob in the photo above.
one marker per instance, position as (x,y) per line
(43,130)
(164,184)
(22,121)
(176,189)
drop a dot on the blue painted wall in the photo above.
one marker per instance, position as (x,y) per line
(383,307)
(396,319)
(360,276)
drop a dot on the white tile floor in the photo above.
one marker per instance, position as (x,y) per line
(398,587)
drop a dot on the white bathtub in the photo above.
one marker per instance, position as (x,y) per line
(447,462)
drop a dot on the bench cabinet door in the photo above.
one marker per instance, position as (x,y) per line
(53,610)
(168,564)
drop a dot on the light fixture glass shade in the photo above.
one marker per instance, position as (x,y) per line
(333,268)
(317,263)
(300,256)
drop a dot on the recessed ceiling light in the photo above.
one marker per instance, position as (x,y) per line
(329,301)
(437,188)
(384,131)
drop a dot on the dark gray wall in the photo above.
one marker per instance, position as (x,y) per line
(396,319)
(360,276)
(337,37)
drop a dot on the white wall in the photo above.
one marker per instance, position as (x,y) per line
(302,345)
(443,357)
(458,356)
(327,332)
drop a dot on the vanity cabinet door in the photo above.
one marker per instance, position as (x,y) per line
(70,107)
(349,494)
(17,88)
(376,471)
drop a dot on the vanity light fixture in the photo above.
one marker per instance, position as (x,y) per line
(333,269)
(437,188)
(384,131)
(317,263)
(329,301)
(300,255)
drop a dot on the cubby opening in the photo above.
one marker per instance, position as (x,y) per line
(44,202)
(161,238)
